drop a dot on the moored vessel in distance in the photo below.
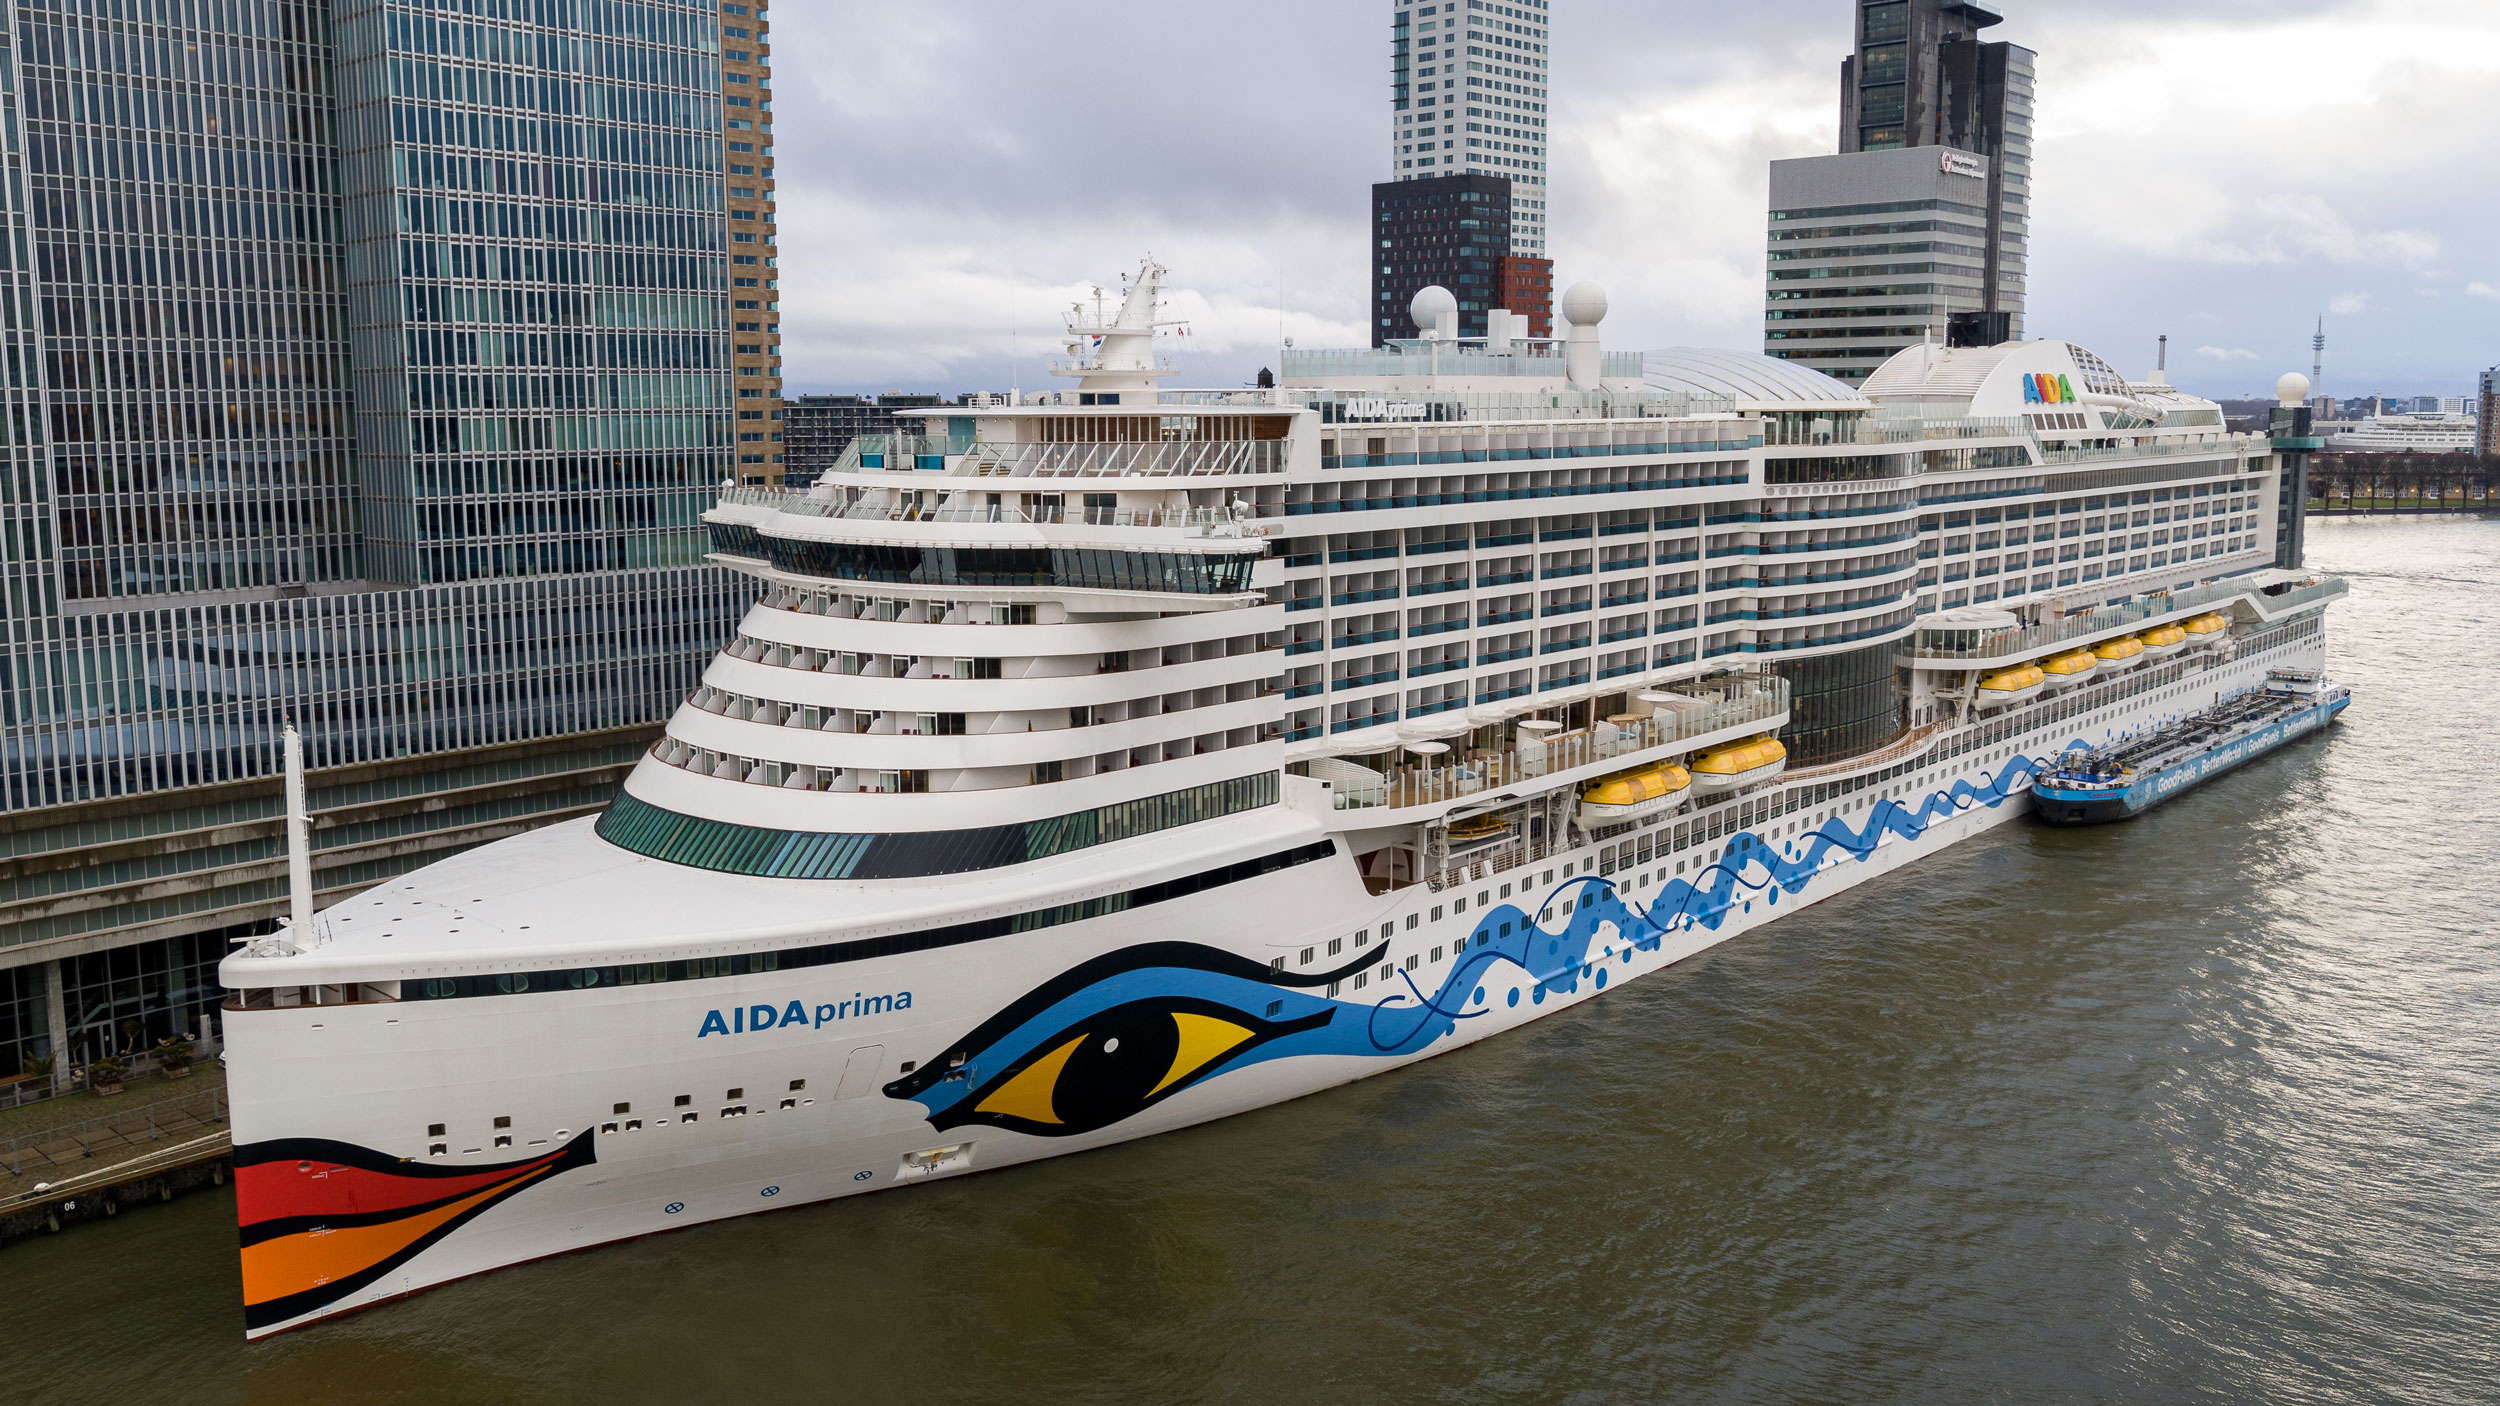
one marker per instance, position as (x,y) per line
(1103,762)
(2097,786)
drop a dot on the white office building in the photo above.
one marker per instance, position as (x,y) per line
(1468,96)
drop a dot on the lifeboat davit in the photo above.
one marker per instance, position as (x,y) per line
(1635,795)
(2070,668)
(1740,764)
(2207,631)
(2120,654)
(2164,641)
(2007,687)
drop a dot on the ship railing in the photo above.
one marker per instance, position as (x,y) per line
(882,507)
(1485,863)
(1169,459)
(2224,447)
(1523,759)
(1909,744)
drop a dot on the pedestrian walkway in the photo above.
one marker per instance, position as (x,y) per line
(111,1130)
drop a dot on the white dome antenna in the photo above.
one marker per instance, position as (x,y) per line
(1584,305)
(2292,389)
(1435,310)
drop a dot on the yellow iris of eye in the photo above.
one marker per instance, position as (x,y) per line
(1031,1096)
(1204,1040)
(1027,1095)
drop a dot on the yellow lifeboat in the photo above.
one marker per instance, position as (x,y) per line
(2163,641)
(2207,630)
(2070,668)
(1633,795)
(1740,764)
(2121,654)
(1477,830)
(2007,687)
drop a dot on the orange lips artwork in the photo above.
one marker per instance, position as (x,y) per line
(322,1220)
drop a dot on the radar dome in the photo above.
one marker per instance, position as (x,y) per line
(1430,306)
(1584,305)
(2293,389)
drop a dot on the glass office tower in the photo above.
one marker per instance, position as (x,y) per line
(1878,247)
(368,365)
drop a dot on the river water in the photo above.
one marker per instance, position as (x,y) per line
(2201,1108)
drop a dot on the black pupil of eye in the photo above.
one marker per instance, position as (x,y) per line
(1109,1077)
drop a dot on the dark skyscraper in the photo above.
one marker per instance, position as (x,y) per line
(1922,76)
(370,364)
(1453,231)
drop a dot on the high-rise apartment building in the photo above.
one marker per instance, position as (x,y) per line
(1872,250)
(1468,110)
(374,364)
(2487,421)
(754,277)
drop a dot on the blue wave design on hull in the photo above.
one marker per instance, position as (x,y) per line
(1602,929)
(1709,899)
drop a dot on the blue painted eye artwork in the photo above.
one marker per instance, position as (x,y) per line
(1114,1036)
(1117,1035)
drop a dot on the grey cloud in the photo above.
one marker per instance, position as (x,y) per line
(993,151)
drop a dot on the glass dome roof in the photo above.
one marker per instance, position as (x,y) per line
(1751,380)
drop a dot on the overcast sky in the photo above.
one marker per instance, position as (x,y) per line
(2224,171)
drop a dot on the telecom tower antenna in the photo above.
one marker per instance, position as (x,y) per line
(2317,363)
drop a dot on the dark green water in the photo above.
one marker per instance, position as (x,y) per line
(2203,1108)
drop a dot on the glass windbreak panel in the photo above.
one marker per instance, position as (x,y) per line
(1071,568)
(634,824)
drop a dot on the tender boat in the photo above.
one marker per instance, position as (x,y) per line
(1633,795)
(2163,641)
(1740,764)
(2007,687)
(1478,830)
(2070,668)
(2120,654)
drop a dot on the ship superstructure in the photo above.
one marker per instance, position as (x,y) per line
(1129,757)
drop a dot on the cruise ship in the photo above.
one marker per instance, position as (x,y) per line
(1097,764)
(2419,433)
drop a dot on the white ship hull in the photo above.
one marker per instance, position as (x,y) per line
(827,1111)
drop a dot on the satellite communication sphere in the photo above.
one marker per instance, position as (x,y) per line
(2293,389)
(1584,305)
(1430,305)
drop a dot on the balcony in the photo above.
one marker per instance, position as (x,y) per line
(1364,597)
(1354,681)
(1759,703)
(1942,644)
(1367,637)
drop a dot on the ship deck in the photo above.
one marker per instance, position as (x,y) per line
(562,896)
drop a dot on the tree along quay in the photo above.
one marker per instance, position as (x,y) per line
(2403,483)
